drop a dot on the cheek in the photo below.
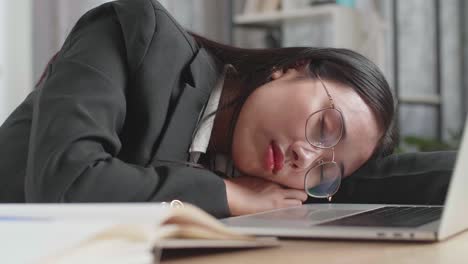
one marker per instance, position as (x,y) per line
(248,152)
(247,138)
(294,117)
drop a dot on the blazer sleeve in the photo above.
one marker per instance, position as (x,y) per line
(74,142)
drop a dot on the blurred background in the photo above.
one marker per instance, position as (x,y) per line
(420,45)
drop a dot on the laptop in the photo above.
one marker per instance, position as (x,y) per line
(370,221)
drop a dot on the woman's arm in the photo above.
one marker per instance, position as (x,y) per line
(249,195)
(77,117)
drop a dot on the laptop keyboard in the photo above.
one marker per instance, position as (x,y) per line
(390,216)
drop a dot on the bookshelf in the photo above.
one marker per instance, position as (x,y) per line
(324,25)
(276,17)
(338,26)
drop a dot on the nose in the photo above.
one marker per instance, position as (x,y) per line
(303,155)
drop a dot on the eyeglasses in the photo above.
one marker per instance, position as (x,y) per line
(324,129)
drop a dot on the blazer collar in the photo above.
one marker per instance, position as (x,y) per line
(177,137)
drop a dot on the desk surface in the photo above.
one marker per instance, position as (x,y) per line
(454,250)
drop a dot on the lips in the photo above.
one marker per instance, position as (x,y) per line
(278,157)
(274,158)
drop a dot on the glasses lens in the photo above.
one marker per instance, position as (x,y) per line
(324,128)
(323,181)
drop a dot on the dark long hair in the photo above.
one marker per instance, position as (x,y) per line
(253,68)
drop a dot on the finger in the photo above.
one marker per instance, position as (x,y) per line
(295,194)
(291,202)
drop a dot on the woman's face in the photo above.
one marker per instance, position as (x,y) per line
(272,123)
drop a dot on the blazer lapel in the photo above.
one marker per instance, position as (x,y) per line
(178,135)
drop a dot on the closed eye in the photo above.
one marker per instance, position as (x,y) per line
(322,128)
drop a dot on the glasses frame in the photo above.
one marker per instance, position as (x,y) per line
(332,147)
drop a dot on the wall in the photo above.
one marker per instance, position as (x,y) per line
(3,65)
(15,54)
(464,44)
(53,20)
(451,63)
(418,66)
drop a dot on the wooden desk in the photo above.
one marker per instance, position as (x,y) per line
(454,250)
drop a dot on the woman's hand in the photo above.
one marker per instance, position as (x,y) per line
(247,195)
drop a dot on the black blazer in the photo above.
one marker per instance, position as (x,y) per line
(125,90)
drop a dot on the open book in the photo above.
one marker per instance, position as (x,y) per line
(114,233)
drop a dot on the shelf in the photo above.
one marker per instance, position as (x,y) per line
(420,99)
(272,18)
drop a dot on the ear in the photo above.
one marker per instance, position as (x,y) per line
(277,73)
(300,66)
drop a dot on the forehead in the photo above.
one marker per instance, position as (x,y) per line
(362,130)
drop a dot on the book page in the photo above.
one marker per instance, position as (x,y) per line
(76,233)
(125,212)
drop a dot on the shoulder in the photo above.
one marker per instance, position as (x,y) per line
(146,21)
(140,23)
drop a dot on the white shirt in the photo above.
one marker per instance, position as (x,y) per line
(202,136)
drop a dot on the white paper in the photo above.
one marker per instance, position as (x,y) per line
(128,212)
(30,233)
